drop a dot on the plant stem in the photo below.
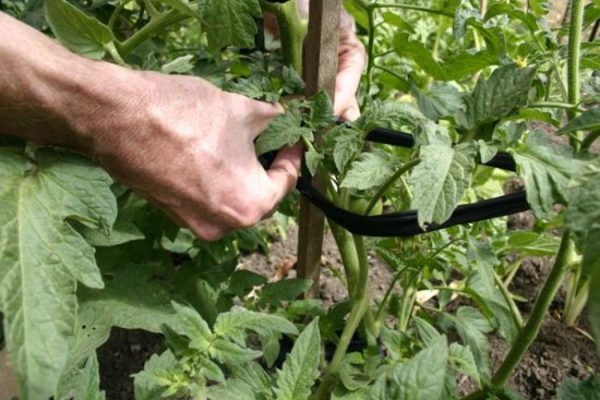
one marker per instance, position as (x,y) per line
(153,27)
(413,8)
(589,140)
(556,104)
(292,31)
(370,51)
(386,185)
(350,261)
(573,60)
(577,301)
(360,306)
(526,336)
(509,300)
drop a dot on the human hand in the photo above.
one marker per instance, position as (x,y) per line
(188,147)
(352,59)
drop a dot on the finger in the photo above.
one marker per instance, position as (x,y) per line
(351,64)
(262,116)
(283,174)
(351,113)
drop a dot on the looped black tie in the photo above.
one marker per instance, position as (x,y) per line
(405,223)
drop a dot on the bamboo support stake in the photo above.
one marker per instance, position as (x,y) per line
(319,70)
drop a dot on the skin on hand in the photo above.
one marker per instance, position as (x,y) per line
(177,140)
(190,150)
(352,59)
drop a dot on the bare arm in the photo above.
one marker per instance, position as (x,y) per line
(179,141)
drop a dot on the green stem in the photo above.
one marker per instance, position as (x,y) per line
(386,185)
(292,31)
(152,28)
(556,104)
(360,306)
(408,302)
(370,51)
(516,314)
(589,140)
(116,13)
(573,60)
(345,244)
(526,336)
(413,8)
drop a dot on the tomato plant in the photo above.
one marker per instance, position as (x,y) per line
(466,79)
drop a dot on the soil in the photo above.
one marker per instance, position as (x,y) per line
(557,353)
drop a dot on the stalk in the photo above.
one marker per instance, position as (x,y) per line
(516,314)
(566,255)
(370,50)
(348,253)
(589,140)
(573,61)
(386,185)
(292,31)
(360,306)
(577,301)
(150,29)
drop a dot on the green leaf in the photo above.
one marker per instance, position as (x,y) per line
(347,144)
(588,121)
(76,30)
(232,324)
(439,181)
(123,231)
(397,21)
(42,257)
(230,23)
(82,381)
(194,327)
(422,377)
(143,305)
(461,359)
(232,353)
(370,170)
(253,375)
(284,130)
(462,15)
(442,101)
(321,111)
(574,389)
(481,281)
(242,281)
(583,214)
(233,389)
(284,290)
(145,383)
(358,12)
(495,97)
(301,367)
(546,168)
(455,67)
(180,65)
(313,160)
(472,328)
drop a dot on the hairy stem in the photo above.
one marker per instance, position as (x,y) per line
(386,185)
(370,51)
(152,28)
(516,314)
(573,61)
(292,31)
(359,307)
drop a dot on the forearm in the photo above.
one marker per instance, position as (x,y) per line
(49,95)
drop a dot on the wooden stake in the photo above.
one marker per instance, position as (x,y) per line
(319,69)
